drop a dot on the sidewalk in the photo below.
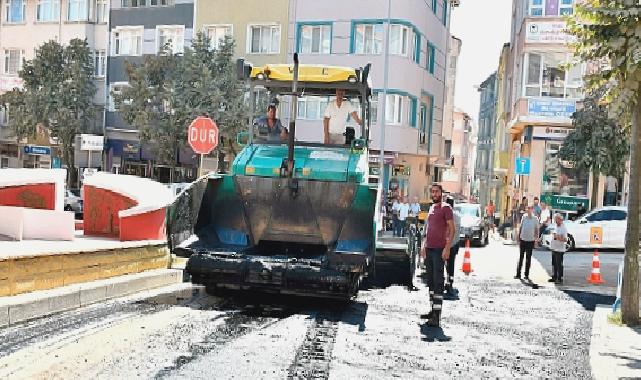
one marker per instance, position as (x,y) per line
(615,351)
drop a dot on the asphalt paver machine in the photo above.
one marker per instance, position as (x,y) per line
(291,217)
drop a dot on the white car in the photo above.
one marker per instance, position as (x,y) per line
(73,201)
(611,221)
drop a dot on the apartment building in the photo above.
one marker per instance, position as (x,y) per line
(503,139)
(321,32)
(484,172)
(24,26)
(543,94)
(451,177)
(460,177)
(139,28)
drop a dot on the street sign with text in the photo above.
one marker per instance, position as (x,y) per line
(202,135)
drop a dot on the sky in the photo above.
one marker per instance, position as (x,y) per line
(483,28)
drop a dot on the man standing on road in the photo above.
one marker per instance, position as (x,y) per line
(537,208)
(403,213)
(611,191)
(415,208)
(449,285)
(438,240)
(527,236)
(489,214)
(557,245)
(395,208)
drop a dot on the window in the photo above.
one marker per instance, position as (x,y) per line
(15,10)
(546,75)
(398,39)
(618,215)
(434,5)
(447,148)
(48,10)
(536,7)
(566,7)
(416,54)
(78,10)
(315,39)
(217,33)
(445,12)
(127,41)
(373,105)
(115,89)
(264,39)
(102,11)
(13,61)
(598,216)
(4,115)
(368,38)
(145,3)
(394,109)
(411,116)
(172,35)
(311,107)
(431,58)
(100,63)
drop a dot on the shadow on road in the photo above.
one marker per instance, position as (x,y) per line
(264,305)
(433,334)
(589,300)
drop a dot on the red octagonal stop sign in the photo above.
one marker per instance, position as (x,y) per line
(202,135)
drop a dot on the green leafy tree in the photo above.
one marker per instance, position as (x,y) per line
(57,96)
(608,32)
(586,145)
(168,91)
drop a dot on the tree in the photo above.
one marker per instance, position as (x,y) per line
(608,32)
(585,147)
(57,96)
(168,91)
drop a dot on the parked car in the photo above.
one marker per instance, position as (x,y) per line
(473,226)
(612,220)
(73,200)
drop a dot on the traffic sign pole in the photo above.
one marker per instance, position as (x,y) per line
(202,135)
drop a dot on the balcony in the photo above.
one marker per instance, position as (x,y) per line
(551,112)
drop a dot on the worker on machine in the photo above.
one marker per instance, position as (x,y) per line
(269,127)
(335,117)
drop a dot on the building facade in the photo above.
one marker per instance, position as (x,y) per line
(484,173)
(451,178)
(503,140)
(461,174)
(24,26)
(413,117)
(137,29)
(544,92)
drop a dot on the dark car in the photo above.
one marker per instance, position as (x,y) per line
(473,226)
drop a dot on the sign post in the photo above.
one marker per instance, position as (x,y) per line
(202,136)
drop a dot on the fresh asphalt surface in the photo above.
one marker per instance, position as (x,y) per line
(496,329)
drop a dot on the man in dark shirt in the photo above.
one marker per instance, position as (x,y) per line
(437,244)
(269,127)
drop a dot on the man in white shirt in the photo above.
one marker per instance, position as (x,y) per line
(335,118)
(545,218)
(557,246)
(395,208)
(415,208)
(403,213)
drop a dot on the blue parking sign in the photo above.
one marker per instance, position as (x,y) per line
(522,166)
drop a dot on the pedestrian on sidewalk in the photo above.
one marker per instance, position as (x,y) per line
(489,215)
(537,208)
(558,247)
(437,244)
(527,236)
(450,292)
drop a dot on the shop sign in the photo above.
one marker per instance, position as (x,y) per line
(563,202)
(551,107)
(37,150)
(547,32)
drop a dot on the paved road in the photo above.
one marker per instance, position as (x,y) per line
(498,328)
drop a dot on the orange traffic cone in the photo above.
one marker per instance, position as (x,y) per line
(595,276)
(467,262)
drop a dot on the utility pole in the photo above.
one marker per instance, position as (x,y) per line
(383,104)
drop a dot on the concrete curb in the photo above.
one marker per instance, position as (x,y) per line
(37,304)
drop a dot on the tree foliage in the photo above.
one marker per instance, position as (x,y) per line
(596,143)
(168,91)
(608,33)
(57,95)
